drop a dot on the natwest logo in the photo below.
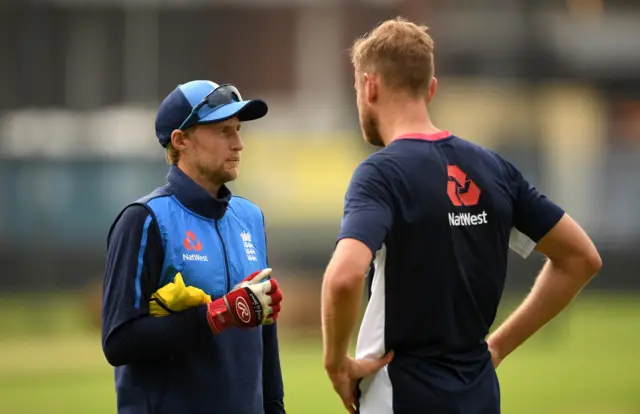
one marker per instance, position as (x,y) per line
(191,242)
(194,257)
(467,219)
(461,191)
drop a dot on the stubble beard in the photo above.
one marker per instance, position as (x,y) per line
(371,131)
(217,176)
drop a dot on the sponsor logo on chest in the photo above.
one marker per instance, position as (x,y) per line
(192,244)
(467,219)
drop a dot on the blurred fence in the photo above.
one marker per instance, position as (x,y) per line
(56,213)
(553,86)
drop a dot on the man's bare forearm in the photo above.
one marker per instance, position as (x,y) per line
(341,298)
(553,290)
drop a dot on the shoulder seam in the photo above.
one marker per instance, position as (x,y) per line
(150,213)
(243,198)
(150,198)
(248,201)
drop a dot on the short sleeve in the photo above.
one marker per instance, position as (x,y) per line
(368,207)
(534,215)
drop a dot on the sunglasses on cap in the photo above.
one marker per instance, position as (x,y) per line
(222,95)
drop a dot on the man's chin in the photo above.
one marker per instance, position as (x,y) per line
(232,174)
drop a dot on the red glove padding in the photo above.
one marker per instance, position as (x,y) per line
(254,301)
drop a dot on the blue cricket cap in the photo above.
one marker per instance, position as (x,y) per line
(177,106)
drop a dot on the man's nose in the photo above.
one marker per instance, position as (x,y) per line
(238,144)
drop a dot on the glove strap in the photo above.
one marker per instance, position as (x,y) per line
(218,316)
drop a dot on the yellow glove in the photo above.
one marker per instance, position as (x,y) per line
(176,297)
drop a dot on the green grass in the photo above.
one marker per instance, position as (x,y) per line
(584,363)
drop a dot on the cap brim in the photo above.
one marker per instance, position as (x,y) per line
(244,110)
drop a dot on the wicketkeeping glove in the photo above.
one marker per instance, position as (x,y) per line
(254,301)
(176,297)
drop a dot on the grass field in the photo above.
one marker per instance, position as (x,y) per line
(587,362)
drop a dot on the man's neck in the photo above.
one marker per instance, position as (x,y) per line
(404,119)
(212,188)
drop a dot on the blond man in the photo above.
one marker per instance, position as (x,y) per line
(435,215)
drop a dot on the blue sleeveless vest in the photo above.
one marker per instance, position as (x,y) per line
(211,254)
(214,244)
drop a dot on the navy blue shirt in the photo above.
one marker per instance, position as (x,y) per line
(439,215)
(174,363)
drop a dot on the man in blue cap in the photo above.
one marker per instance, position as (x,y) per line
(189,307)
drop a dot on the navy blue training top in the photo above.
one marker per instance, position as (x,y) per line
(174,363)
(439,215)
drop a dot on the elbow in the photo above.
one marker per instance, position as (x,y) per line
(113,351)
(593,263)
(346,284)
(113,357)
(582,268)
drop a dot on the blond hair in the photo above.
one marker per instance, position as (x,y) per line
(401,52)
(172,155)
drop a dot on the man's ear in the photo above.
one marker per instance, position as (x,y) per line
(371,87)
(179,139)
(433,87)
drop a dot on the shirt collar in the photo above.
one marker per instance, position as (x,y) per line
(434,136)
(196,198)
